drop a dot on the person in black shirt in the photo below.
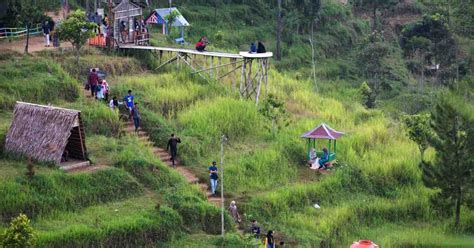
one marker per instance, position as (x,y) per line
(173,147)
(255,229)
(261,47)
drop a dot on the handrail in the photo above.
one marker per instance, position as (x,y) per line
(7,33)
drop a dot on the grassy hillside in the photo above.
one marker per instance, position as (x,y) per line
(375,190)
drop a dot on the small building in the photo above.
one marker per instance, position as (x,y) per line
(45,132)
(126,13)
(159,16)
(322,132)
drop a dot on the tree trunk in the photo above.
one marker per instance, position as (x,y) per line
(458,208)
(313,56)
(375,16)
(279,27)
(78,49)
(27,38)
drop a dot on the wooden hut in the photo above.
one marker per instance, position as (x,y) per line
(126,12)
(44,133)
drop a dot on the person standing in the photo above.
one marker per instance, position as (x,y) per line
(213,177)
(114,104)
(46,31)
(128,99)
(93,81)
(106,89)
(136,117)
(100,91)
(173,148)
(235,213)
(269,240)
(255,229)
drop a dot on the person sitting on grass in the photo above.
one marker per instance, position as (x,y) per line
(324,158)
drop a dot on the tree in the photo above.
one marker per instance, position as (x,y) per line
(170,19)
(368,95)
(76,29)
(452,121)
(279,28)
(419,130)
(274,110)
(18,234)
(421,48)
(26,13)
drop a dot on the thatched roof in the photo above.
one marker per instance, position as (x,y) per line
(41,132)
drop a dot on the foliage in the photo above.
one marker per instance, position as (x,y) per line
(419,130)
(274,110)
(170,19)
(368,95)
(451,172)
(19,234)
(76,29)
(58,191)
(37,80)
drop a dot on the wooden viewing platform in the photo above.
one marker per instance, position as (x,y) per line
(251,78)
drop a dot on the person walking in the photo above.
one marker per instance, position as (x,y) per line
(136,117)
(173,148)
(100,91)
(255,229)
(213,177)
(234,212)
(129,99)
(46,31)
(114,103)
(106,89)
(269,240)
(93,81)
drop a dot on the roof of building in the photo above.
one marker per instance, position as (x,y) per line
(161,14)
(322,131)
(41,132)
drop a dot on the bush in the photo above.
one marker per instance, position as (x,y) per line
(18,234)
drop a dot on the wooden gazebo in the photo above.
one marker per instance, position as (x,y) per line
(323,132)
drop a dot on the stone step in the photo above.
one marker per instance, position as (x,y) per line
(74,164)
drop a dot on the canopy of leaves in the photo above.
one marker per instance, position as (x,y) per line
(22,13)
(419,130)
(76,29)
(18,234)
(453,125)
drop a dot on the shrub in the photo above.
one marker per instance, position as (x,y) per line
(18,234)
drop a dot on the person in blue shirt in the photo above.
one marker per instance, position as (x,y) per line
(324,158)
(129,102)
(213,176)
(253,48)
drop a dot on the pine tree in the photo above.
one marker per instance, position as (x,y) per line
(452,121)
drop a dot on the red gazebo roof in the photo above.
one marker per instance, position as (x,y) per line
(322,131)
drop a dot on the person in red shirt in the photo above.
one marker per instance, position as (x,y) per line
(201,45)
(93,82)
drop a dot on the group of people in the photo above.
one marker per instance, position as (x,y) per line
(101,22)
(259,48)
(100,89)
(139,29)
(316,162)
(254,48)
(269,238)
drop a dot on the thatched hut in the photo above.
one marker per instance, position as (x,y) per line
(44,133)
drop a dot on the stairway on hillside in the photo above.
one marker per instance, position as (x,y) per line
(166,158)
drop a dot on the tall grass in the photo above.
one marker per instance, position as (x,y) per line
(36,80)
(58,191)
